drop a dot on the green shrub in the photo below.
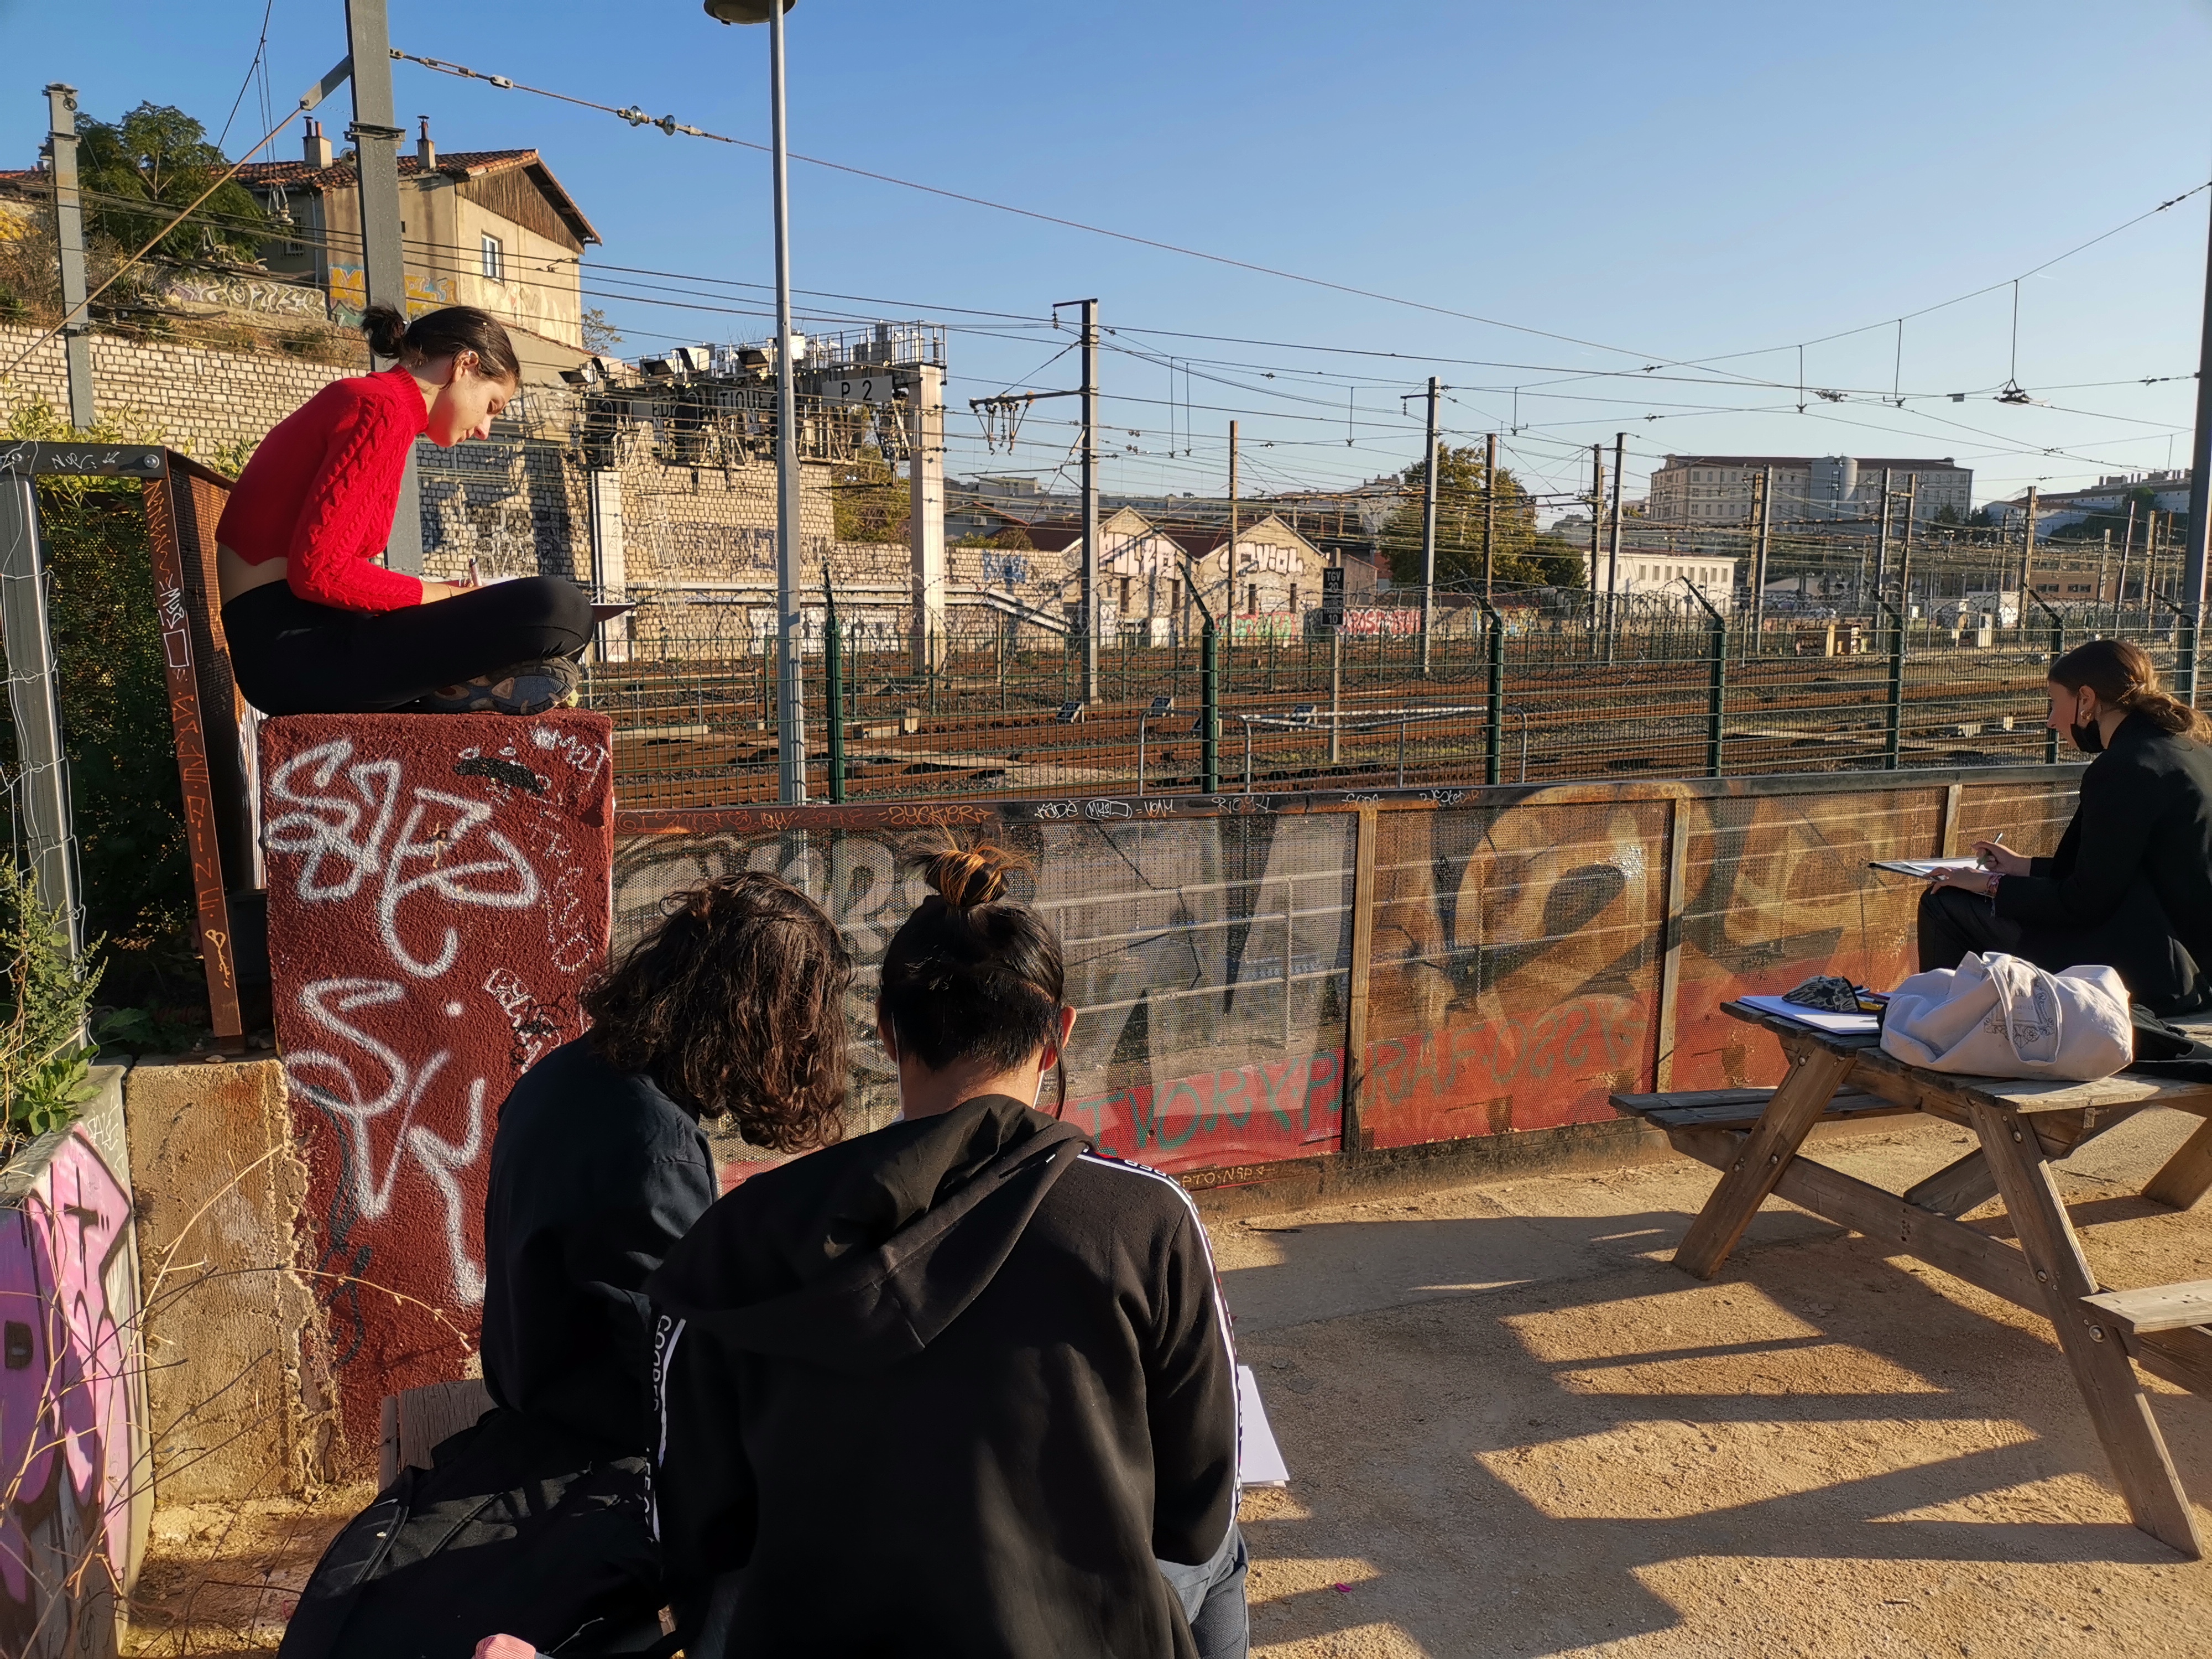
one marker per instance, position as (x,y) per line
(44,1058)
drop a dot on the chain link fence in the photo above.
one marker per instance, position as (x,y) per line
(1538,688)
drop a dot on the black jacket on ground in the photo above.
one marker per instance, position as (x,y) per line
(595,1174)
(2132,879)
(947,1388)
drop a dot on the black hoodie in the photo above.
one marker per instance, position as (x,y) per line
(946,1388)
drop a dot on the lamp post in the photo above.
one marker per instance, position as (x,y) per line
(791,709)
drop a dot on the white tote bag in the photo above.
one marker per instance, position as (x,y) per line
(1997,1016)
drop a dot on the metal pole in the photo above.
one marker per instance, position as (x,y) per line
(1336,692)
(1209,717)
(68,235)
(376,137)
(1613,543)
(1597,521)
(1494,739)
(1401,754)
(1716,701)
(1894,746)
(1905,547)
(1489,513)
(2127,548)
(833,688)
(32,698)
(2200,503)
(1882,540)
(1229,548)
(1091,596)
(790,702)
(1759,559)
(2027,563)
(1429,528)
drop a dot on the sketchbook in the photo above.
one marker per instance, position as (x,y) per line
(1819,1019)
(1923,868)
(1259,1460)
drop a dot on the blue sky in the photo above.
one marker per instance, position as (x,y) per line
(1629,184)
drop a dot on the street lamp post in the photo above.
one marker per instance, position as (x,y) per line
(791,708)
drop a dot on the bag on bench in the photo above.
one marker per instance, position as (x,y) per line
(1998,1016)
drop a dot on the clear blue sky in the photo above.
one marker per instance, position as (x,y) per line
(1661,183)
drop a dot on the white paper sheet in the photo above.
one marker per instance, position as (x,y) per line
(1923,868)
(1819,1019)
(1259,1460)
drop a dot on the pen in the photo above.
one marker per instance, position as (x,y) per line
(1983,861)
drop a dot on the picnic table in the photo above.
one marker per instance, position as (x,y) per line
(1754,1137)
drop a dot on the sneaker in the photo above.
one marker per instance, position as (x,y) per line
(528,688)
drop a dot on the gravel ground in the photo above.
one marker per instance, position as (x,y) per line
(1513,1429)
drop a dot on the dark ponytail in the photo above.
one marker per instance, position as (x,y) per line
(2123,677)
(442,334)
(973,974)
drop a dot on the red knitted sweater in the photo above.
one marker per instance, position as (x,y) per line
(321,489)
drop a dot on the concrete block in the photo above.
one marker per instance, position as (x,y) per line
(438,895)
(238,1360)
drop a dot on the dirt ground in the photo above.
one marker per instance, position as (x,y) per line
(1512,1429)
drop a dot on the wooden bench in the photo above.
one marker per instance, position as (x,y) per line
(1753,1138)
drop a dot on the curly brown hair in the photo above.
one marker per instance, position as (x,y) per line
(736,1003)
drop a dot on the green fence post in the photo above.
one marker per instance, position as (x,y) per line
(1716,690)
(833,699)
(2058,650)
(1893,718)
(1494,740)
(1209,718)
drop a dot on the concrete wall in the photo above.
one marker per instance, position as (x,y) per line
(240,1383)
(74,1500)
(206,401)
(437,897)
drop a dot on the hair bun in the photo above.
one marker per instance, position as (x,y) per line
(385,328)
(967,877)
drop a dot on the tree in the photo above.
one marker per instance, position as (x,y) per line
(599,334)
(1520,555)
(872,503)
(140,172)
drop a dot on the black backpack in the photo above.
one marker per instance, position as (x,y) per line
(517,1527)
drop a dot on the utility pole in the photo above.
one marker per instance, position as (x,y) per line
(1429,529)
(376,137)
(2200,504)
(1613,539)
(1904,552)
(1229,551)
(1597,523)
(1758,557)
(2127,548)
(1090,687)
(2026,562)
(1489,512)
(1881,541)
(68,235)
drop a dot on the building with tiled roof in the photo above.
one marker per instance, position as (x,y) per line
(491,228)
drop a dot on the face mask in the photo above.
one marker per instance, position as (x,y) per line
(2088,738)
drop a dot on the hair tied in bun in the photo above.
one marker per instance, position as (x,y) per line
(965,876)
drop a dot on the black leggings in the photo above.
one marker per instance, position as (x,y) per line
(295,658)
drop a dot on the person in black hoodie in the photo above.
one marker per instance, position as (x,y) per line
(2130,885)
(534,1523)
(958,1386)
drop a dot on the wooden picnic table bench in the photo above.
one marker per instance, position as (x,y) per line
(1754,1137)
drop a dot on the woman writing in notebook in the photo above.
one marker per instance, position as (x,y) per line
(315,624)
(2130,885)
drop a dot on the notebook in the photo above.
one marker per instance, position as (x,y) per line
(1924,868)
(1259,1460)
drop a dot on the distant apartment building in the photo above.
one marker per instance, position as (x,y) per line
(2060,509)
(1842,492)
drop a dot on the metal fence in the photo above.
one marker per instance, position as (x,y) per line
(1537,690)
(1275,977)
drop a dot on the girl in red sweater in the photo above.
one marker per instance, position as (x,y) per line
(315,624)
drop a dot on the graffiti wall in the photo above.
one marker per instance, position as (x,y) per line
(437,895)
(72,1401)
(1206,957)
(1532,951)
